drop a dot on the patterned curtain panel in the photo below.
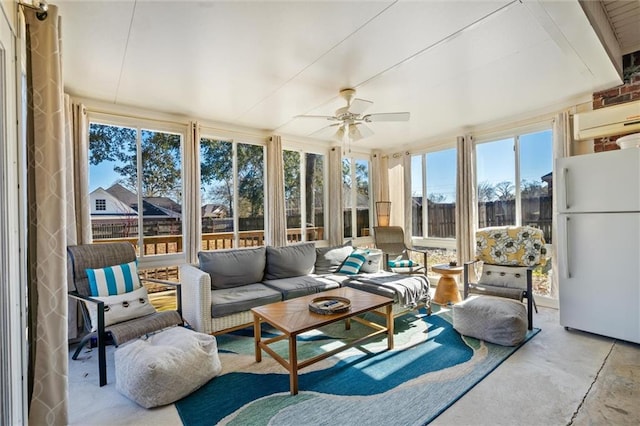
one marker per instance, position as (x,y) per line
(277,229)
(47,214)
(466,199)
(335,225)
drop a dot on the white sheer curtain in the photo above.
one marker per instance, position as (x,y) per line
(466,199)
(277,225)
(191,221)
(379,177)
(335,234)
(76,181)
(561,148)
(400,192)
(48,204)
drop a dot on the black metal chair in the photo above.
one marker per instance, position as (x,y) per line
(95,256)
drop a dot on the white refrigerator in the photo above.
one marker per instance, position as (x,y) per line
(598,243)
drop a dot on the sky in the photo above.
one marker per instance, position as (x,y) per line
(495,163)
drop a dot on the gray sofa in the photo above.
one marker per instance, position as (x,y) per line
(218,294)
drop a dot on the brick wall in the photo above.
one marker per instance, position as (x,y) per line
(627,92)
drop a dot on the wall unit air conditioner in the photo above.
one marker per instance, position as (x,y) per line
(609,121)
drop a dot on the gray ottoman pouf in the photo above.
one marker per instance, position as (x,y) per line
(166,366)
(493,319)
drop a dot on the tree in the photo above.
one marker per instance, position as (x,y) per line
(436,198)
(291,164)
(250,180)
(161,161)
(531,189)
(504,190)
(486,192)
(314,188)
(216,170)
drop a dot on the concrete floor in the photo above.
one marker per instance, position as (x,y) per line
(560,377)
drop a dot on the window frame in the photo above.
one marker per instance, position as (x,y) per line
(425,240)
(303,151)
(140,124)
(514,133)
(213,134)
(353,157)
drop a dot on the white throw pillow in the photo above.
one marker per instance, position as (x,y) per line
(121,307)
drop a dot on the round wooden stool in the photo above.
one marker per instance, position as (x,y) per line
(447,290)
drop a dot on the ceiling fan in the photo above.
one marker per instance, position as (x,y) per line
(350,121)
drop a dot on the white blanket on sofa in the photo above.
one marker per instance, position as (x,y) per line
(410,290)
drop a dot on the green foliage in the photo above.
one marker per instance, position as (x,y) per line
(161,162)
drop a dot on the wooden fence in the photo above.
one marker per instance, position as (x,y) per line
(536,212)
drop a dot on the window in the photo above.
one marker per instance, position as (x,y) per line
(433,184)
(304,199)
(135,181)
(514,179)
(355,198)
(232,194)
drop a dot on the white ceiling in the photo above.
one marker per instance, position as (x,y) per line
(453,65)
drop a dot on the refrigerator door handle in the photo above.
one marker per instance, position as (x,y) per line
(565,174)
(567,265)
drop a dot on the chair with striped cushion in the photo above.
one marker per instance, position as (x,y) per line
(115,305)
(390,239)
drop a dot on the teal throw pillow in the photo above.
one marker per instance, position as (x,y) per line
(353,263)
(113,280)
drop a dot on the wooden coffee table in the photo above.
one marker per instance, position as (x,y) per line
(293,317)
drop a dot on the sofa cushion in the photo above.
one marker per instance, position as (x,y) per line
(290,261)
(372,262)
(228,301)
(233,267)
(301,286)
(329,259)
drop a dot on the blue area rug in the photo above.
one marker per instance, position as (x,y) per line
(429,369)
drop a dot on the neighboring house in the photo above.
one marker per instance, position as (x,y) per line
(107,207)
(213,211)
(114,213)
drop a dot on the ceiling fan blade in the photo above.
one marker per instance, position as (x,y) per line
(358,106)
(324,117)
(326,131)
(359,131)
(387,116)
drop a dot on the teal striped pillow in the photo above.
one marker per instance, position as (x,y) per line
(113,280)
(402,263)
(353,263)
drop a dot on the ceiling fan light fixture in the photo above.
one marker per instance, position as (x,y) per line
(350,119)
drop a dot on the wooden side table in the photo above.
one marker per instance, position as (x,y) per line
(447,290)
